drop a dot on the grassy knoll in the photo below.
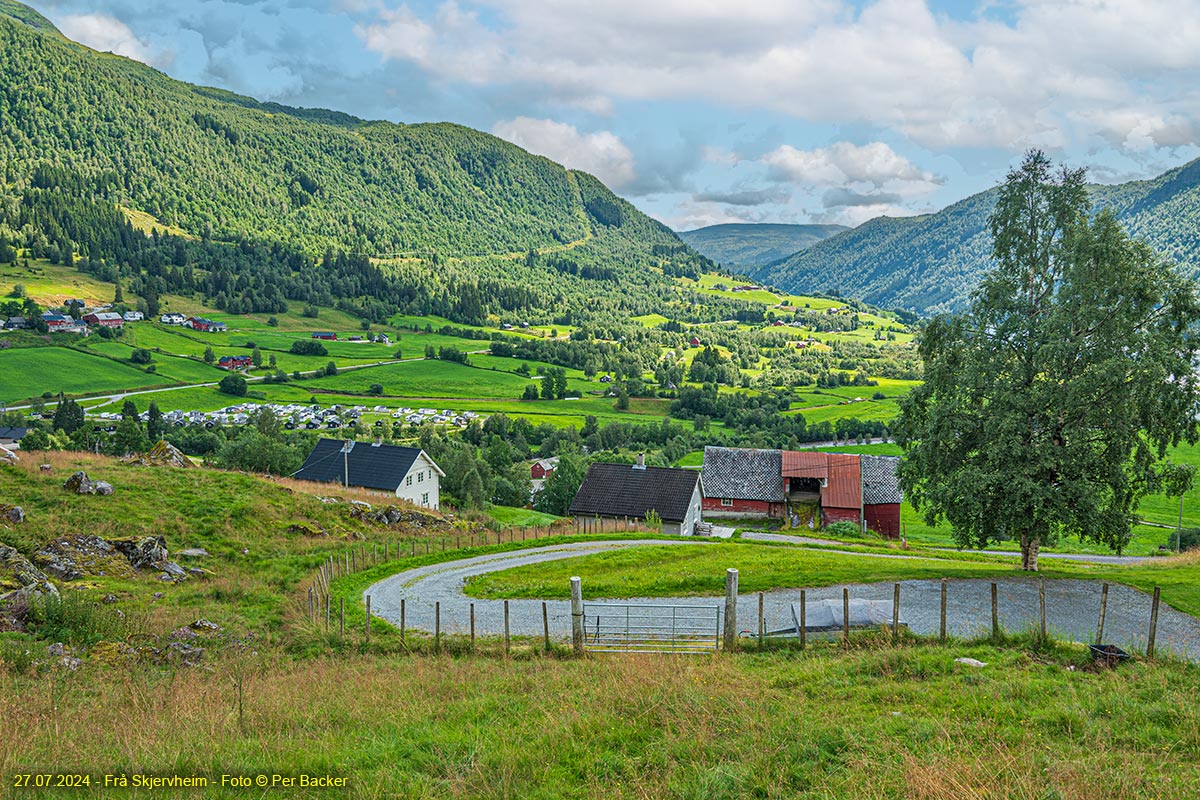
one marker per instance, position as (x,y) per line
(28,372)
(428,378)
(521,517)
(53,284)
(667,571)
(874,722)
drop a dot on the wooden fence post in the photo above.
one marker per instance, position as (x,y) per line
(942,628)
(803,620)
(1103,611)
(895,611)
(402,620)
(546,625)
(995,614)
(577,616)
(472,627)
(1042,607)
(311,614)
(845,615)
(1153,623)
(731,593)
(761,621)
(506,636)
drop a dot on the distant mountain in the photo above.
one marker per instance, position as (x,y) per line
(931,263)
(741,246)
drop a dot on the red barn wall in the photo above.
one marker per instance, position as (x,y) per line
(830,514)
(712,507)
(884,519)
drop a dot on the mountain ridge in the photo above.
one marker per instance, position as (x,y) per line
(931,263)
(741,245)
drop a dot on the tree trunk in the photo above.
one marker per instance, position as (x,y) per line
(1029,551)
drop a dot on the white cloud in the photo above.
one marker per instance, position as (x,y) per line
(843,165)
(108,34)
(1015,81)
(603,154)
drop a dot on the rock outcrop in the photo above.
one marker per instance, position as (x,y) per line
(395,515)
(8,456)
(163,454)
(20,579)
(78,556)
(80,483)
(13,514)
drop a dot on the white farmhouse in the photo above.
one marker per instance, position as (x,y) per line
(406,472)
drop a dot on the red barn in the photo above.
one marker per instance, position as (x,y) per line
(834,487)
(329,337)
(542,468)
(104,319)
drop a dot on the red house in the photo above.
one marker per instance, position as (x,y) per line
(234,362)
(542,468)
(105,319)
(695,341)
(329,337)
(740,482)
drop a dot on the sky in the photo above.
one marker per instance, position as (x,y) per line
(710,111)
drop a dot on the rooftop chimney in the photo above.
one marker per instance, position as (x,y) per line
(641,462)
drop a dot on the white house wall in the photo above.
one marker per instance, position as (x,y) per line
(422,479)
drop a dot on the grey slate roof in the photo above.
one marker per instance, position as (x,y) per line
(371,466)
(743,474)
(16,434)
(620,490)
(880,486)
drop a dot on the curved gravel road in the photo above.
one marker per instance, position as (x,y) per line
(1072,606)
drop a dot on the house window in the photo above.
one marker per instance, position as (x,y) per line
(408,481)
(425,499)
(728,503)
(420,477)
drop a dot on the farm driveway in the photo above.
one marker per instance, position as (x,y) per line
(1072,605)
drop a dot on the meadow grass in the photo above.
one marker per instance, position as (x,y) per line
(28,372)
(53,284)
(878,721)
(521,517)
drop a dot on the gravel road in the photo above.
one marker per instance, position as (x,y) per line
(1072,606)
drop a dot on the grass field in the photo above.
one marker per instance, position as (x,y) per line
(53,284)
(28,372)
(877,722)
(521,517)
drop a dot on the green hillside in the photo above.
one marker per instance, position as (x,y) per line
(931,263)
(743,246)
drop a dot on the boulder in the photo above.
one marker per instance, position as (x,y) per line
(80,555)
(80,483)
(14,514)
(8,456)
(143,552)
(20,579)
(163,454)
(192,552)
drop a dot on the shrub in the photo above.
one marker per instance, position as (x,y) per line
(1189,538)
(141,356)
(308,347)
(844,530)
(233,384)
(376,388)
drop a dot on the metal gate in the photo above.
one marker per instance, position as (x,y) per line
(625,628)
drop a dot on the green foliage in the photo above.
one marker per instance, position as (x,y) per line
(842,530)
(562,486)
(308,347)
(140,355)
(233,384)
(75,618)
(1048,406)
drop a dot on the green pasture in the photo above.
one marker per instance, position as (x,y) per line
(521,517)
(51,285)
(28,372)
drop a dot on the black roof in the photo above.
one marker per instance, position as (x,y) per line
(620,490)
(371,466)
(879,481)
(743,474)
(13,433)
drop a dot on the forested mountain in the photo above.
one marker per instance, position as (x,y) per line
(274,203)
(931,263)
(742,246)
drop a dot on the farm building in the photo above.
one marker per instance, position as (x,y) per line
(205,325)
(16,324)
(106,319)
(172,319)
(406,472)
(803,486)
(740,482)
(234,362)
(11,437)
(621,491)
(56,321)
(325,335)
(542,468)
(134,316)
